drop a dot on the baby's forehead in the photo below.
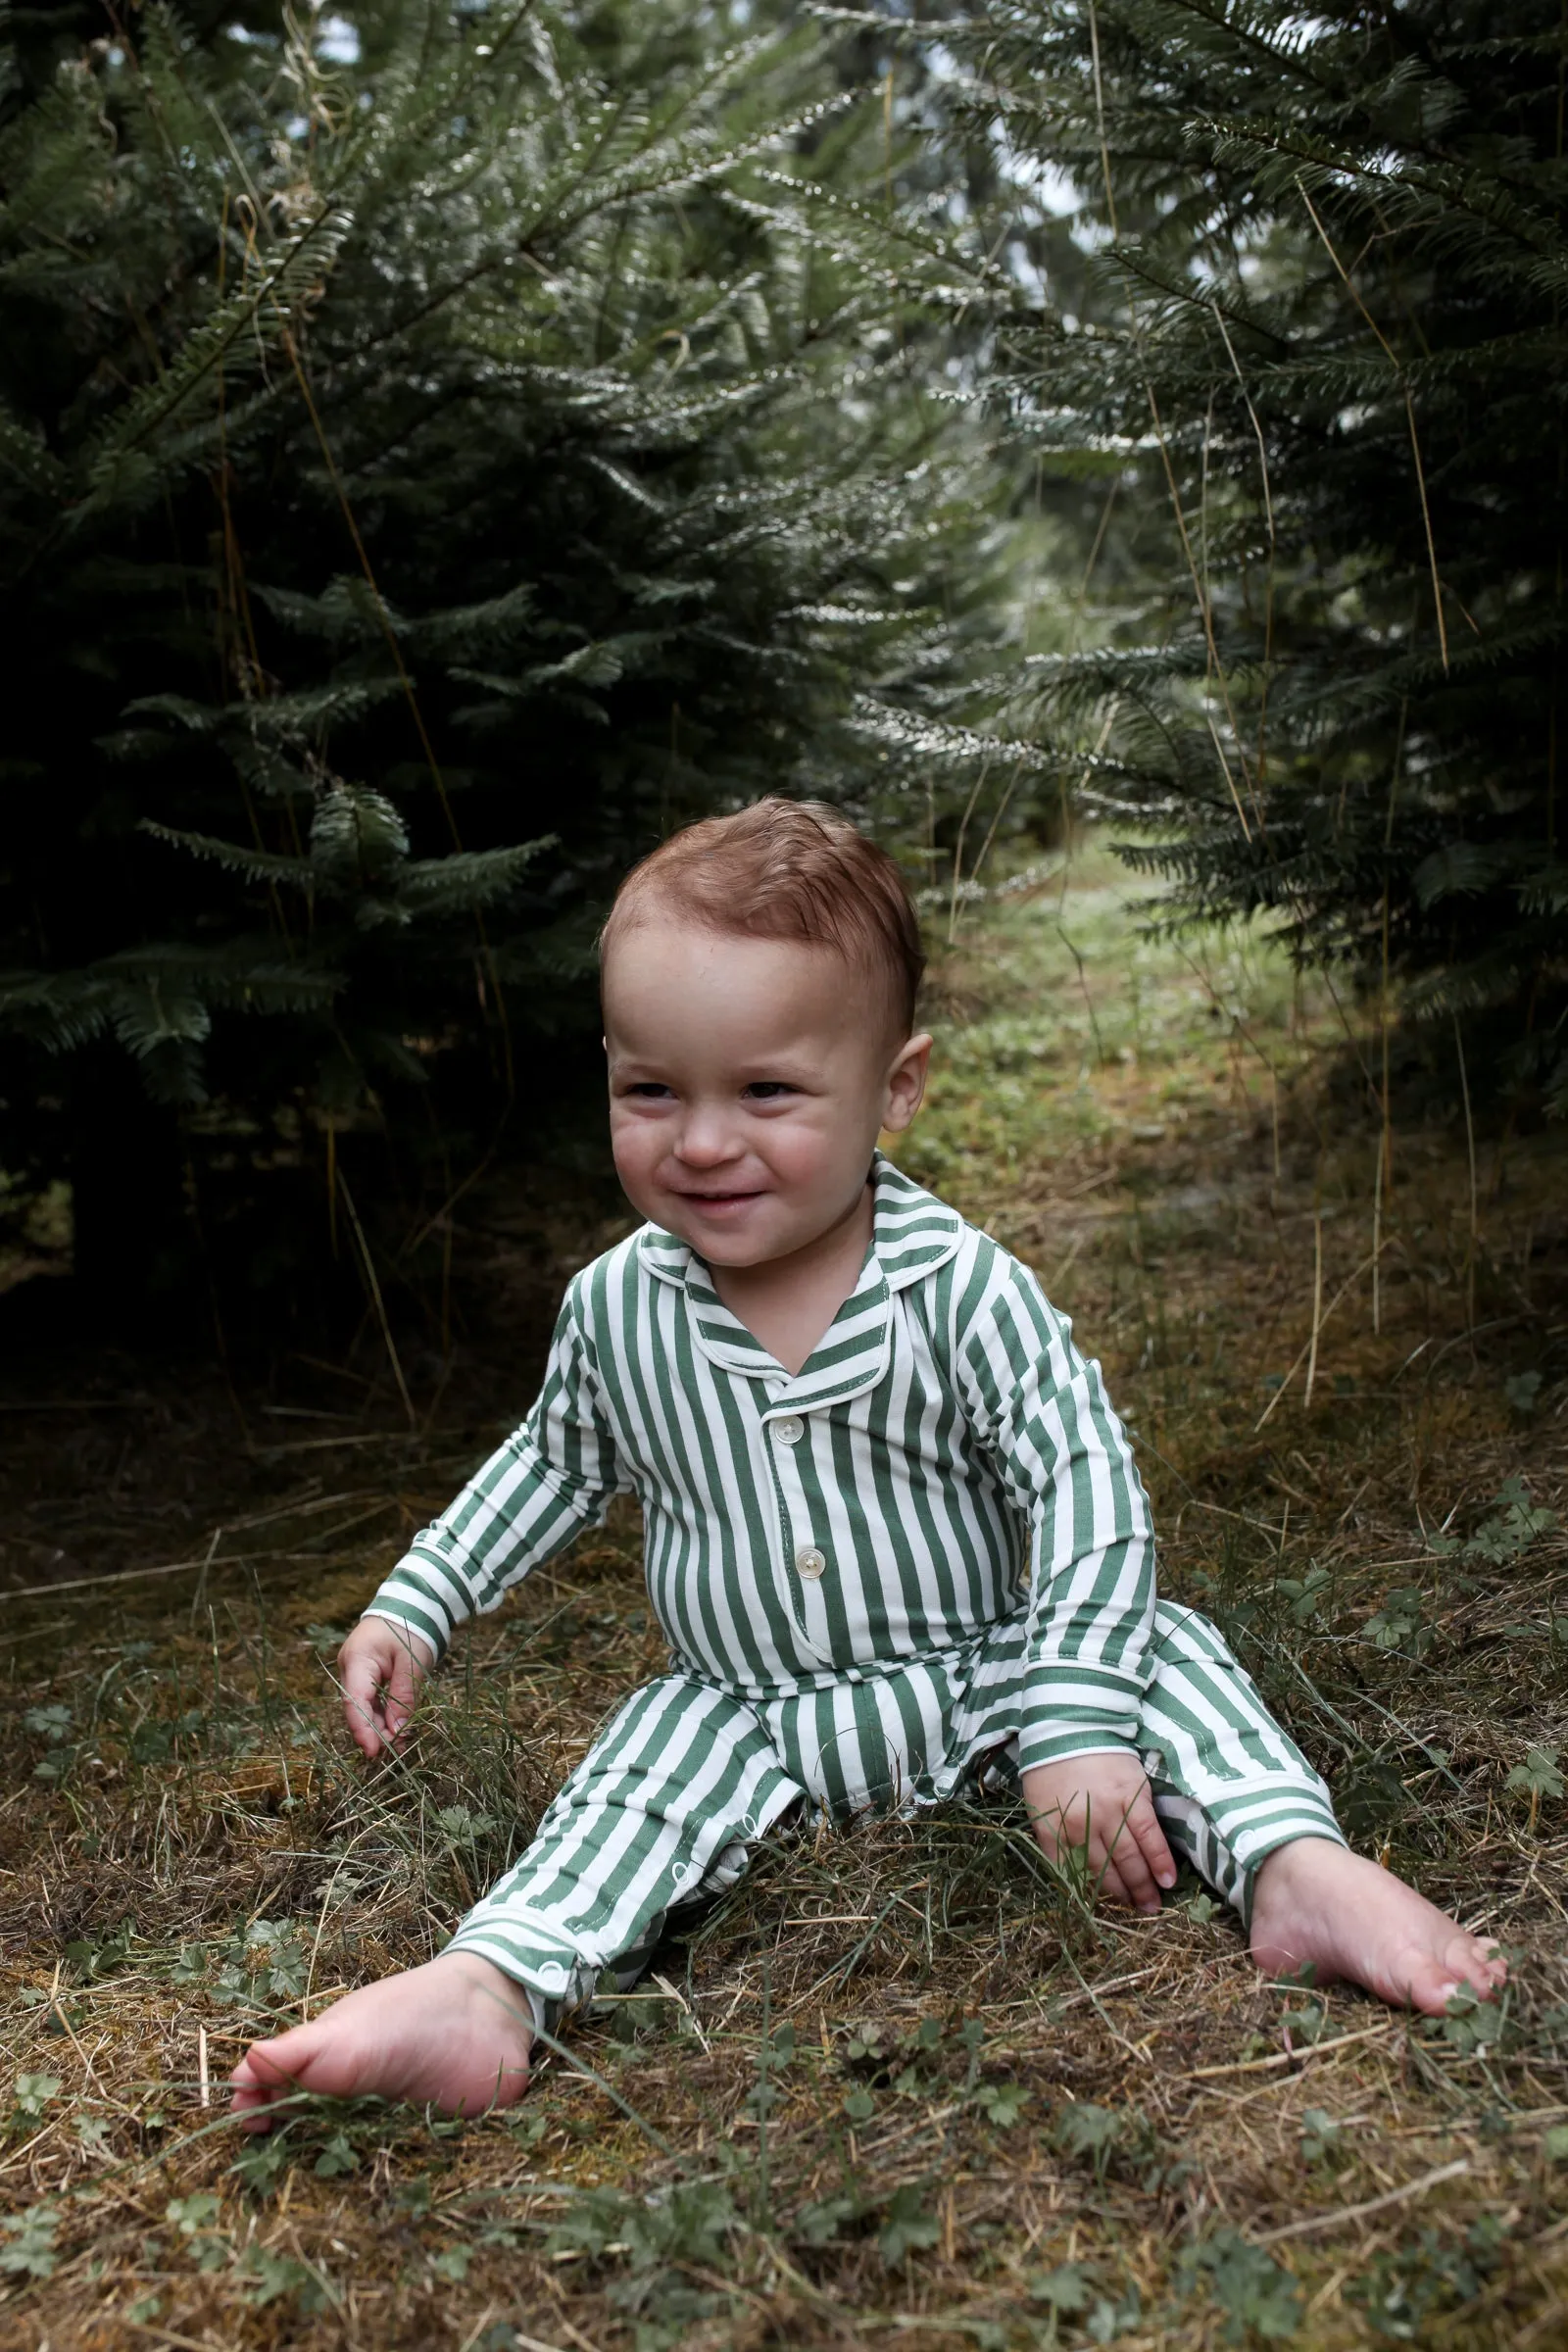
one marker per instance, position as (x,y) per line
(663,967)
(654,932)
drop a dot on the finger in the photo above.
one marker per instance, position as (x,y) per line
(359,1713)
(1053,1829)
(1074,1845)
(361,1681)
(1131,1875)
(1143,1824)
(254,2086)
(251,2112)
(1126,1858)
(1107,1885)
(402,1691)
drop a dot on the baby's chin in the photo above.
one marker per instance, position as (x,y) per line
(752,1233)
(729,1246)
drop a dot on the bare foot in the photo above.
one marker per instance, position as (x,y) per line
(456,2032)
(1318,1902)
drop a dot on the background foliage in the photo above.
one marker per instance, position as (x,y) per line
(442,447)
(440,452)
(1306,401)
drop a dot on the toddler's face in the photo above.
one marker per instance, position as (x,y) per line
(749,1079)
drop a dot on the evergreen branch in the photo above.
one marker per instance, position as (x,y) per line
(207,349)
(256,865)
(467,879)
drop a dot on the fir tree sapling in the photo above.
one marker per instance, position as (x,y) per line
(440,448)
(1302,316)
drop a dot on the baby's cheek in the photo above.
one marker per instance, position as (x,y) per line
(636,1154)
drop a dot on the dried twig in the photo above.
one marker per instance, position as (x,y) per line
(1314,2222)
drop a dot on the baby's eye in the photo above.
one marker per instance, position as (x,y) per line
(768,1090)
(651,1090)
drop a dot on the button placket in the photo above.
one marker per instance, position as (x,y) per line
(803,1561)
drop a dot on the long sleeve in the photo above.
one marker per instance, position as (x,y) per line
(1065,1462)
(553,1477)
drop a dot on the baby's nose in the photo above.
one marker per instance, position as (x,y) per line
(704,1140)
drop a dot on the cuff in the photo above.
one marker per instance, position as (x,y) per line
(554,1976)
(426,1597)
(1051,1743)
(1070,1709)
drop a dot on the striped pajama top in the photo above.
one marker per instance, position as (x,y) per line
(945,1462)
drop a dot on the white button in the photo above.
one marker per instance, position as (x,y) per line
(810,1562)
(789,1430)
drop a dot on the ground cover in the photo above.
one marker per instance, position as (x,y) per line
(901,2087)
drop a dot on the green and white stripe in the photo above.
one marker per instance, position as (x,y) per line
(928,1545)
(944,1461)
(685,1780)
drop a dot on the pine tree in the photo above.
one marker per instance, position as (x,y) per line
(437,453)
(1316,359)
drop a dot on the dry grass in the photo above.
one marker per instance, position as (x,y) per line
(900,2087)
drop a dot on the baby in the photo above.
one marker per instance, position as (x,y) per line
(894,1532)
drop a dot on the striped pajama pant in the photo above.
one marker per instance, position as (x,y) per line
(687,1777)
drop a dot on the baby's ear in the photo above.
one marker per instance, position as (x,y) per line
(905,1083)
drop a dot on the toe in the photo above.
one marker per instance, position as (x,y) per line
(1430,1980)
(1480,1966)
(1425,1985)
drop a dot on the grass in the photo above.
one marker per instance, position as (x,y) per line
(901,2087)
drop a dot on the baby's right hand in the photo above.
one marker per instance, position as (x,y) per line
(381,1666)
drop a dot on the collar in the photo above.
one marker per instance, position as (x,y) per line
(912,1233)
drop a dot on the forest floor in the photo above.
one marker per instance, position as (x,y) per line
(900,2086)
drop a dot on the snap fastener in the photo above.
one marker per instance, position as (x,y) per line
(810,1562)
(789,1430)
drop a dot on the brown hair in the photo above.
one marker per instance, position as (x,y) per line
(787,869)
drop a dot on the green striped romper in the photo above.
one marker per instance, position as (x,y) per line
(926,1551)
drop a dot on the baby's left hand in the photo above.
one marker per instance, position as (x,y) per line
(1105,1802)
